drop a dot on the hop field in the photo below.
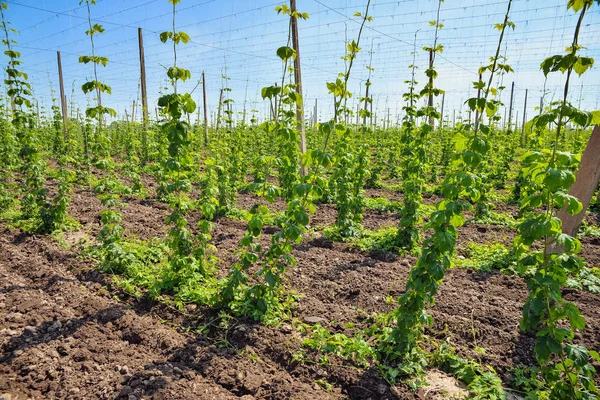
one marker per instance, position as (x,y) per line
(297,257)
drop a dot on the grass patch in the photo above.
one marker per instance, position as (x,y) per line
(382,204)
(487,258)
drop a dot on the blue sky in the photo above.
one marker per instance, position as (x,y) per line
(240,37)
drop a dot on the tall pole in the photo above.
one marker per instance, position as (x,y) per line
(368,84)
(371,117)
(63,99)
(510,107)
(298,79)
(316,116)
(219,112)
(476,109)
(430,101)
(388,118)
(37,105)
(524,118)
(276,109)
(144,96)
(442,113)
(205,111)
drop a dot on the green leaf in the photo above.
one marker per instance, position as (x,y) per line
(576,320)
(595,117)
(577,353)
(285,53)
(583,64)
(444,241)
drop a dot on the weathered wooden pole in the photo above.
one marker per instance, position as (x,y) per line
(219,112)
(442,112)
(298,79)
(63,99)
(205,110)
(144,97)
(476,109)
(368,85)
(524,119)
(585,185)
(37,105)
(430,100)
(510,107)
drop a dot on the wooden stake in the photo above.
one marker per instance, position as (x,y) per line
(585,184)
(298,79)
(205,112)
(37,105)
(219,112)
(63,99)
(477,110)
(442,112)
(510,107)
(368,84)
(524,118)
(430,101)
(144,96)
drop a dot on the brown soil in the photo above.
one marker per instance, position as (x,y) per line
(65,334)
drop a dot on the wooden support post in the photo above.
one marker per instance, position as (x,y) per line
(205,110)
(37,105)
(585,184)
(524,119)
(133,112)
(144,97)
(510,107)
(442,112)
(298,79)
(276,107)
(430,100)
(476,110)
(63,99)
(388,119)
(316,113)
(368,85)
(219,112)
(198,117)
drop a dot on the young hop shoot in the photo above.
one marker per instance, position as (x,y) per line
(546,255)
(413,140)
(401,345)
(19,91)
(99,111)
(187,261)
(264,300)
